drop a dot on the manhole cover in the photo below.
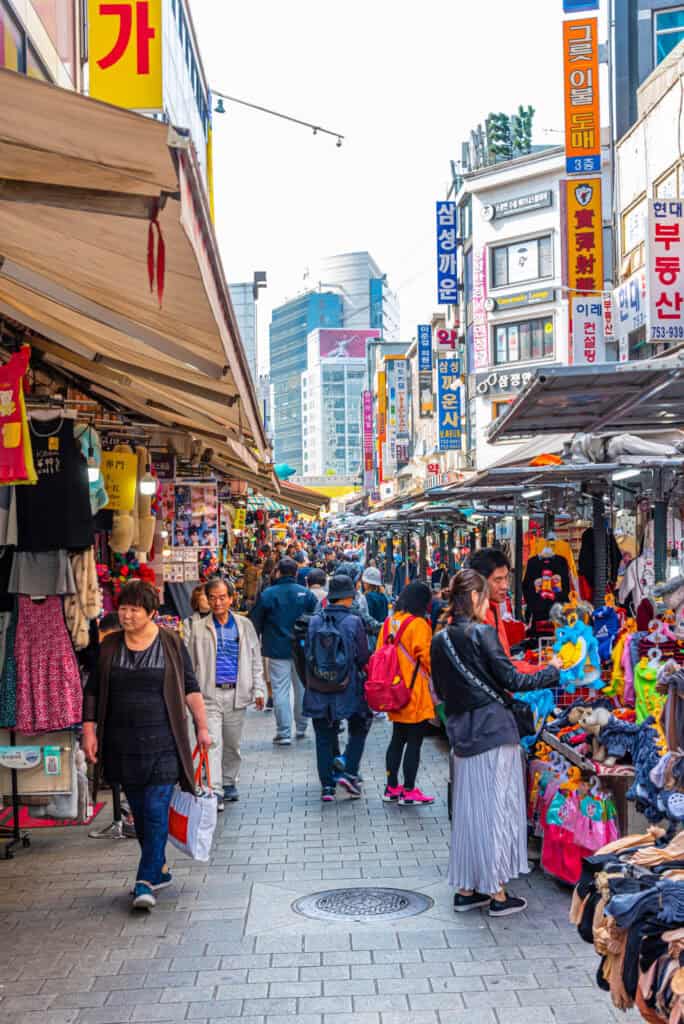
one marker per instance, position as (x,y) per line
(362,904)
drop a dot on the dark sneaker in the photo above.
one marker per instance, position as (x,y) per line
(282,741)
(301,735)
(351,784)
(476,901)
(504,908)
(143,897)
(328,794)
(230,793)
(164,882)
(220,806)
(269,704)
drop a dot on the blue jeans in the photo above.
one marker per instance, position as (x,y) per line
(326,744)
(150,808)
(283,679)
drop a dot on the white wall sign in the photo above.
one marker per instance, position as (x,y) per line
(588,336)
(666,270)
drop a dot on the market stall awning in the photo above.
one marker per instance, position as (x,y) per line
(609,398)
(84,188)
(302,499)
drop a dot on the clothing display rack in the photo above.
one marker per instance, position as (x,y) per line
(12,833)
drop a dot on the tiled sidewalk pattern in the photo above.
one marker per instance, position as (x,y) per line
(224,946)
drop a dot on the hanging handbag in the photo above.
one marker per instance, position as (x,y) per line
(522,712)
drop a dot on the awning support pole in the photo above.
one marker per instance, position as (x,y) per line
(660,528)
(518,570)
(422,555)
(600,548)
(450,557)
(389,557)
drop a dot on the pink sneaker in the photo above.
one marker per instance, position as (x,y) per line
(414,796)
(392,794)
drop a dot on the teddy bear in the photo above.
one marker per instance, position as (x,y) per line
(592,721)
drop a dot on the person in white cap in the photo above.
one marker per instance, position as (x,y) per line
(376,599)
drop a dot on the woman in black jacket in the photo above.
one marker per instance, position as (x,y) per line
(489,828)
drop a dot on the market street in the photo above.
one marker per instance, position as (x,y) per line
(224,945)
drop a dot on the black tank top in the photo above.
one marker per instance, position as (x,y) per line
(55,512)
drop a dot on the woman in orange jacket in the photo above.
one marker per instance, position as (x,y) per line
(409,724)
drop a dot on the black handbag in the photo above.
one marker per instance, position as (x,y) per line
(522,712)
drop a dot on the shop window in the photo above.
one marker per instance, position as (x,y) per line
(498,408)
(669,30)
(11,41)
(519,262)
(525,341)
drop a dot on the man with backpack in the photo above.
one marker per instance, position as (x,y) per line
(336,652)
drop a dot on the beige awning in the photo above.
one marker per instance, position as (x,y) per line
(80,182)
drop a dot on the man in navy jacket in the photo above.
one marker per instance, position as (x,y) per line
(273,617)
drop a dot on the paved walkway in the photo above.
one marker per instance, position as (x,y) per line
(224,945)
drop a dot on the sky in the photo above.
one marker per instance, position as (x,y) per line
(404,83)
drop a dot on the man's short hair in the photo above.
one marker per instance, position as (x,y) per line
(287,567)
(215,582)
(488,560)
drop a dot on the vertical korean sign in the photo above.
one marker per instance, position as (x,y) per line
(402,402)
(449,404)
(447,242)
(367,440)
(588,331)
(584,236)
(581,88)
(665,270)
(480,319)
(390,452)
(382,422)
(125,53)
(426,404)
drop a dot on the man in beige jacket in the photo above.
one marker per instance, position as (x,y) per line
(226,656)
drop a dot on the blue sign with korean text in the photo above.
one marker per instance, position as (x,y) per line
(424,348)
(573,6)
(447,243)
(449,404)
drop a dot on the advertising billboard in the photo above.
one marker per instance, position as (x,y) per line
(447,243)
(450,404)
(666,270)
(125,53)
(581,89)
(344,343)
(584,235)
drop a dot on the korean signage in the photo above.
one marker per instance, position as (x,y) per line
(584,235)
(581,87)
(666,270)
(382,420)
(125,53)
(480,321)
(344,344)
(447,241)
(504,383)
(424,348)
(367,439)
(532,298)
(575,6)
(608,321)
(446,338)
(521,204)
(449,404)
(588,333)
(426,403)
(402,407)
(390,449)
(120,476)
(630,304)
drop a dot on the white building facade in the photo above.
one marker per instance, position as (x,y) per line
(368,302)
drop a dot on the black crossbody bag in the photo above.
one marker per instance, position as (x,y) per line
(522,712)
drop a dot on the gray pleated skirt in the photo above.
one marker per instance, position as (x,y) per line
(489,822)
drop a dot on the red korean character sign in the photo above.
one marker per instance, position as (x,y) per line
(125,52)
(584,236)
(666,270)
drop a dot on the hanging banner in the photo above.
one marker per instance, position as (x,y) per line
(390,452)
(480,321)
(402,401)
(240,519)
(581,87)
(584,236)
(665,261)
(424,348)
(630,304)
(125,53)
(426,405)
(382,421)
(367,401)
(120,477)
(447,242)
(449,404)
(588,332)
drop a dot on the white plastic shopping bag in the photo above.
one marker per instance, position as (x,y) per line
(192,818)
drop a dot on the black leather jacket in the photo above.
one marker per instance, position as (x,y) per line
(480,650)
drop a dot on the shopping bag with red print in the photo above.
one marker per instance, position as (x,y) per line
(192,818)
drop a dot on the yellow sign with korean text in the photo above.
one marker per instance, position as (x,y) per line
(125,53)
(240,519)
(120,475)
(584,236)
(581,90)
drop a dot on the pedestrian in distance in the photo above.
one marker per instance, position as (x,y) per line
(376,598)
(200,608)
(226,656)
(412,633)
(274,616)
(134,726)
(317,583)
(336,654)
(474,676)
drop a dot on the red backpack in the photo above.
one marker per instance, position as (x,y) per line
(385,689)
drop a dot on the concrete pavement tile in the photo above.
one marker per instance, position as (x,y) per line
(381,1004)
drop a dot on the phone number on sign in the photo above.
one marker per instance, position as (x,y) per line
(666,333)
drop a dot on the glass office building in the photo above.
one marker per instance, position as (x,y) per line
(646,33)
(367,298)
(244,304)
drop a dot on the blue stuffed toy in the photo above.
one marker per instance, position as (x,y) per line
(606,628)
(577,648)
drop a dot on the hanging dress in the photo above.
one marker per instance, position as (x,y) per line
(49,691)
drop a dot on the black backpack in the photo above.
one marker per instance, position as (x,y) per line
(329,656)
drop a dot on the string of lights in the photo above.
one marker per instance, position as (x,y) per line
(316,128)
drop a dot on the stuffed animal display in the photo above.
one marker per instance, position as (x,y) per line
(577,647)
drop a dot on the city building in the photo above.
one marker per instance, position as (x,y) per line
(244,296)
(332,387)
(291,325)
(186,96)
(514,316)
(646,33)
(41,38)
(368,302)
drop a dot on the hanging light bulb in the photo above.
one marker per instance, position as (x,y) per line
(148,484)
(164,534)
(93,468)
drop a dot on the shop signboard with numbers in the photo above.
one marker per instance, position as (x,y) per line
(125,53)
(581,88)
(450,404)
(447,244)
(665,259)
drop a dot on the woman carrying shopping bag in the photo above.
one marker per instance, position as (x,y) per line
(137,699)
